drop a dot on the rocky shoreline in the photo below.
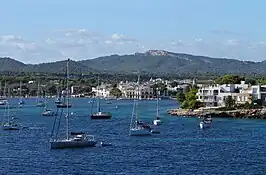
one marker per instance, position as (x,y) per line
(239,113)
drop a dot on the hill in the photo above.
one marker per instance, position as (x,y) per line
(58,67)
(152,61)
(157,61)
(11,65)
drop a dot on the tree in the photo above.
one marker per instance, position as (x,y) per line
(251,81)
(51,89)
(160,86)
(174,84)
(190,101)
(229,102)
(180,97)
(229,79)
(116,92)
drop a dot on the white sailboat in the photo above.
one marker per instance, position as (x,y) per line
(9,125)
(138,128)
(39,102)
(72,140)
(157,120)
(21,101)
(47,111)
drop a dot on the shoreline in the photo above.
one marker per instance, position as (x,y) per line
(239,113)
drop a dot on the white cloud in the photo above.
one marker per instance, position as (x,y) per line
(83,44)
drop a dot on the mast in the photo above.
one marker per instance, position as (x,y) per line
(98,99)
(157,111)
(38,93)
(67,117)
(8,113)
(138,96)
(8,92)
(20,89)
(0,88)
(5,90)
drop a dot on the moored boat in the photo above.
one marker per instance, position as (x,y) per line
(205,122)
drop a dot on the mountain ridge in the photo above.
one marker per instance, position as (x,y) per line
(152,61)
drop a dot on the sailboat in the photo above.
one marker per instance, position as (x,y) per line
(9,125)
(138,128)
(99,114)
(58,99)
(39,102)
(21,101)
(62,103)
(72,140)
(47,111)
(157,120)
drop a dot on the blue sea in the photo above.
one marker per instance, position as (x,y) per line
(229,147)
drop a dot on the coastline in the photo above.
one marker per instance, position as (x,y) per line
(239,113)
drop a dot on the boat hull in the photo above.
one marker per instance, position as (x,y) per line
(203,125)
(40,105)
(48,114)
(102,116)
(63,106)
(10,127)
(140,132)
(59,144)
(155,131)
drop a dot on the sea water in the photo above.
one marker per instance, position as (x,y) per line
(228,147)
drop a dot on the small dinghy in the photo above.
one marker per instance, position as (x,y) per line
(155,131)
(105,144)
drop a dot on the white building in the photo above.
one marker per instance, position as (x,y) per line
(214,95)
(102,91)
(74,89)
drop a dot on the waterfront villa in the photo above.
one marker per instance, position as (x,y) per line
(214,95)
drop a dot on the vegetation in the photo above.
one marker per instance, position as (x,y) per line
(180,97)
(229,102)
(190,101)
(159,87)
(176,64)
(115,92)
(229,79)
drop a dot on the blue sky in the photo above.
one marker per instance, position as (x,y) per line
(41,31)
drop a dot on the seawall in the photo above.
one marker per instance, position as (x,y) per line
(239,113)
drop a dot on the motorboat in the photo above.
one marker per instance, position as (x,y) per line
(10,126)
(105,144)
(48,112)
(205,122)
(3,102)
(41,104)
